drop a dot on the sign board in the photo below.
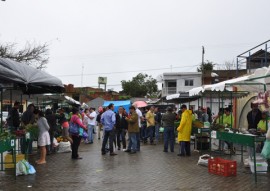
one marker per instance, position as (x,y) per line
(102,80)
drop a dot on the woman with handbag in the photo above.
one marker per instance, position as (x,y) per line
(75,125)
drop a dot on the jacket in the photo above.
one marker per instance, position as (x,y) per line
(252,124)
(121,122)
(133,124)
(13,119)
(185,126)
(168,119)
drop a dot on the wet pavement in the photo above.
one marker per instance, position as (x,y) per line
(150,169)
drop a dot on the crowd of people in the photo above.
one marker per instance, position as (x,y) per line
(122,130)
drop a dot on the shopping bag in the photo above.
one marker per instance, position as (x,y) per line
(266,150)
(85,135)
(203,160)
(22,167)
(73,128)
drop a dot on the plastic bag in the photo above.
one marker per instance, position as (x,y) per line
(85,135)
(266,150)
(64,147)
(22,167)
(203,160)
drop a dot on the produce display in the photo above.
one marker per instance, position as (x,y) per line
(33,130)
(5,135)
(217,127)
(197,124)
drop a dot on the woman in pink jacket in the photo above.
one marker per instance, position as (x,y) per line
(75,137)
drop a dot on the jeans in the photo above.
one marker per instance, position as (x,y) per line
(121,136)
(149,132)
(75,146)
(184,148)
(169,137)
(90,133)
(143,132)
(157,132)
(132,145)
(108,135)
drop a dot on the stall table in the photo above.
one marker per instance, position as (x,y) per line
(7,145)
(243,140)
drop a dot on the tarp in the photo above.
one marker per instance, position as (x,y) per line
(126,104)
(29,79)
(221,86)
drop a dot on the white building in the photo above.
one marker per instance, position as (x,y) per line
(175,82)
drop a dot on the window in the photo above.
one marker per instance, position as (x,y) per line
(188,82)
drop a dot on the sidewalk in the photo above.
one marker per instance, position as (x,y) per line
(150,169)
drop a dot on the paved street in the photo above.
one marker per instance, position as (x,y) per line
(151,169)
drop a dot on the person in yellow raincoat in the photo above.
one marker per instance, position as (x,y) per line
(184,131)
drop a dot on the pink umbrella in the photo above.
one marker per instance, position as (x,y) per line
(140,103)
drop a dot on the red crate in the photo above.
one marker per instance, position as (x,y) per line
(222,167)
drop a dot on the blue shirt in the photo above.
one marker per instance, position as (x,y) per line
(108,120)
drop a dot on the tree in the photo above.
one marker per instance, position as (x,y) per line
(35,55)
(228,65)
(140,86)
(206,66)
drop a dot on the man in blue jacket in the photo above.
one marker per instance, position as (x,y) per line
(108,121)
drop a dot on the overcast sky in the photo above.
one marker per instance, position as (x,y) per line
(114,37)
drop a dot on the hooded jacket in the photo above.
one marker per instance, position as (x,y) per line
(184,129)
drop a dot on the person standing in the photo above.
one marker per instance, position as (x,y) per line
(28,117)
(184,131)
(205,116)
(99,124)
(121,128)
(108,121)
(150,118)
(90,117)
(76,138)
(43,137)
(140,119)
(168,123)
(157,123)
(13,119)
(64,125)
(254,116)
(133,130)
(51,119)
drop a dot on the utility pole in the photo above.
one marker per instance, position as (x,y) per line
(203,65)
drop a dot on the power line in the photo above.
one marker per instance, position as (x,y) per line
(121,72)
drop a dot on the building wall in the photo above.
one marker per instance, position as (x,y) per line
(179,78)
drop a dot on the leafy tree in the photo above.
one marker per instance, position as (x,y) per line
(206,66)
(33,54)
(140,86)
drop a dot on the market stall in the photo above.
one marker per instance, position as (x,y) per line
(21,79)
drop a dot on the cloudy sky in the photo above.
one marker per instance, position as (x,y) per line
(120,38)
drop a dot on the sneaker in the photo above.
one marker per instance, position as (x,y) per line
(113,154)
(127,150)
(132,152)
